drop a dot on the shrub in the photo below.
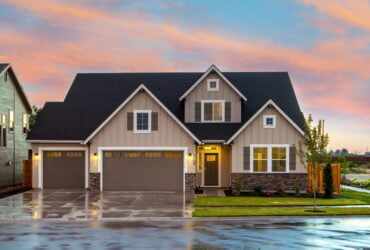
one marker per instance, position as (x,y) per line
(297,189)
(328,181)
(258,189)
(280,190)
(238,186)
(268,193)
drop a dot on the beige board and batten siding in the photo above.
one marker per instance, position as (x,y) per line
(284,133)
(116,134)
(36,159)
(225,92)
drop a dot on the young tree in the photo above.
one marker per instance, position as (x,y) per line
(312,150)
(33,116)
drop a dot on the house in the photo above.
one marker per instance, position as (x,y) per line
(171,131)
(14,113)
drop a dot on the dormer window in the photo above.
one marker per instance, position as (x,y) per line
(269,121)
(213,111)
(212,84)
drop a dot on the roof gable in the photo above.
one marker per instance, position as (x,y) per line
(209,70)
(133,94)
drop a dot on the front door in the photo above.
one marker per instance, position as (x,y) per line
(211,169)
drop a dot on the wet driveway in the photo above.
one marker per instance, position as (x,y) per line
(249,233)
(72,205)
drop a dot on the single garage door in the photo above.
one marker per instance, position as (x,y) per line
(64,170)
(143,171)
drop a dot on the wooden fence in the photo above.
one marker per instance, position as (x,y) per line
(27,173)
(320,188)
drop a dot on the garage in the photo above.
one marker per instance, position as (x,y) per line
(63,169)
(143,170)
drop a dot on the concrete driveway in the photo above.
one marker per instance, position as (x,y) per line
(67,204)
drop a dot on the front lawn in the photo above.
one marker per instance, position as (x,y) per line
(273,211)
(253,201)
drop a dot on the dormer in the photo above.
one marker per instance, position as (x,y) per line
(213,99)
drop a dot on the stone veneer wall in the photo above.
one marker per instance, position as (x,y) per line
(190,181)
(94,182)
(288,181)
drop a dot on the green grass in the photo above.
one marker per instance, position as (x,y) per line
(364,197)
(273,211)
(353,199)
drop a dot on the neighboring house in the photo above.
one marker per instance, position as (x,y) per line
(171,131)
(14,115)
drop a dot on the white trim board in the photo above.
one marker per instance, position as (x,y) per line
(41,162)
(142,87)
(101,149)
(209,70)
(269,102)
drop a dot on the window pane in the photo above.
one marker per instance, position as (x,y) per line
(279,153)
(278,165)
(217,111)
(207,111)
(259,153)
(260,165)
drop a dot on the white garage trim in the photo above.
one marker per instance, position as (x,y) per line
(101,149)
(41,162)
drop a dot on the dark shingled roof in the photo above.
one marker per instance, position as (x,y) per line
(93,97)
(3,66)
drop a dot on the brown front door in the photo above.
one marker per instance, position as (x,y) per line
(211,169)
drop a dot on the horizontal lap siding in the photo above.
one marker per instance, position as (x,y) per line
(284,133)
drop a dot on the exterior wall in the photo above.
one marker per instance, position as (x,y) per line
(169,133)
(270,181)
(17,148)
(36,159)
(284,133)
(225,92)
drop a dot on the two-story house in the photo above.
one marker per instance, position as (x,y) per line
(171,132)
(14,115)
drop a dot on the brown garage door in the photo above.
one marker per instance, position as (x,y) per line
(64,170)
(143,171)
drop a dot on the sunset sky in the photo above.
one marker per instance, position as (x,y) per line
(324,45)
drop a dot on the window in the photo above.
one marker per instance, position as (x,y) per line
(269,121)
(212,84)
(142,121)
(25,123)
(213,111)
(2,136)
(269,158)
(11,120)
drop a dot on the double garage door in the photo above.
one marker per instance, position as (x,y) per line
(121,170)
(143,170)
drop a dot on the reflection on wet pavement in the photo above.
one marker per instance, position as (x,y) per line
(66,204)
(265,233)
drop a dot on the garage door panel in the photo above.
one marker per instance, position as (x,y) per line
(63,170)
(142,171)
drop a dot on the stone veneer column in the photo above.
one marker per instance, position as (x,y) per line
(190,181)
(270,181)
(94,182)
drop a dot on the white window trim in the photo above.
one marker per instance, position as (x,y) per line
(209,84)
(212,101)
(273,125)
(269,156)
(149,130)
